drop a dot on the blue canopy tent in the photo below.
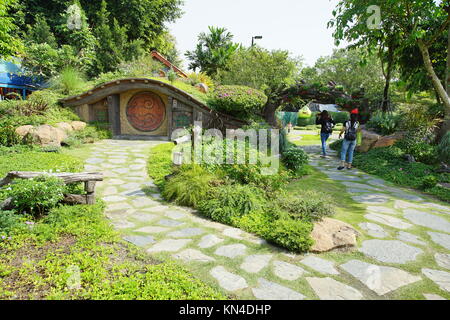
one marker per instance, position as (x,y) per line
(13,83)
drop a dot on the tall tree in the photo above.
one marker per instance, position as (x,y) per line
(417,22)
(213,52)
(145,19)
(10,44)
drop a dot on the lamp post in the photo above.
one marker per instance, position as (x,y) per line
(255,38)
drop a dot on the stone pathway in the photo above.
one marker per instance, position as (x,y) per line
(246,267)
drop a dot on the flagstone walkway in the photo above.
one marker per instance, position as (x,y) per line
(246,267)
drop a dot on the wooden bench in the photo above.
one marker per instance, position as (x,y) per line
(89,179)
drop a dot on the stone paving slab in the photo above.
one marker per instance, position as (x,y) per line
(390,251)
(267,290)
(255,263)
(330,289)
(189,255)
(388,220)
(227,280)
(427,220)
(288,271)
(379,279)
(441,278)
(320,265)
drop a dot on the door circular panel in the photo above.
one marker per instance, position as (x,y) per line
(146,111)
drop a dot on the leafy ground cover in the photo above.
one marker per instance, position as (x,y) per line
(390,164)
(72,252)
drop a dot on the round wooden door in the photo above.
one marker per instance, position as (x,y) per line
(146,111)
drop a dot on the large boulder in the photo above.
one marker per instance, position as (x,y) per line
(388,141)
(22,131)
(369,139)
(67,127)
(78,125)
(47,135)
(330,234)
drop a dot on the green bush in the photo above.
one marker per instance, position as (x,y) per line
(238,101)
(384,123)
(294,158)
(69,81)
(421,151)
(310,206)
(93,132)
(160,163)
(444,148)
(230,202)
(9,222)
(429,182)
(340,117)
(36,196)
(292,234)
(303,122)
(189,186)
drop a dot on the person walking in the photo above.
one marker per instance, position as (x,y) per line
(351,129)
(327,124)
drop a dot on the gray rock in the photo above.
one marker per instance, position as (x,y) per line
(143,216)
(110,191)
(209,241)
(377,182)
(441,239)
(115,182)
(388,220)
(121,170)
(320,265)
(170,223)
(443,260)
(233,233)
(371,198)
(231,251)
(379,279)
(390,251)
(131,186)
(374,230)
(94,160)
(144,202)
(441,278)
(330,289)
(400,204)
(114,199)
(380,209)
(118,206)
(255,263)
(427,220)
(438,207)
(140,241)
(117,161)
(169,245)
(185,233)
(152,229)
(267,290)
(430,296)
(176,215)
(227,280)
(354,190)
(193,255)
(287,271)
(122,224)
(408,237)
(360,186)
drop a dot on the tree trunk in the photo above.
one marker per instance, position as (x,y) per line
(447,78)
(437,85)
(269,113)
(386,100)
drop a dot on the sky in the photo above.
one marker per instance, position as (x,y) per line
(299,26)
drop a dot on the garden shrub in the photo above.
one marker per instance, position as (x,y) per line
(9,222)
(230,202)
(310,206)
(189,186)
(160,163)
(36,196)
(291,234)
(237,100)
(429,182)
(69,81)
(196,78)
(336,145)
(294,158)
(384,123)
(444,148)
(420,150)
(93,132)
(340,117)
